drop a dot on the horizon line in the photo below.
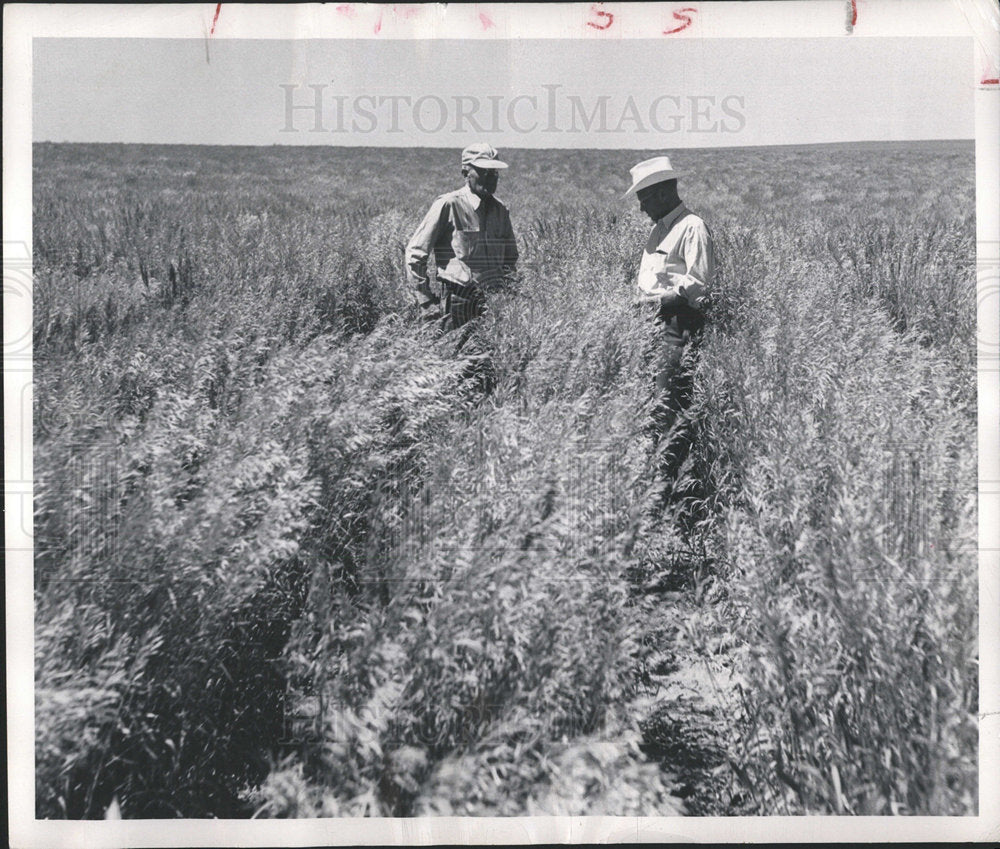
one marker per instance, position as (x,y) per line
(971,139)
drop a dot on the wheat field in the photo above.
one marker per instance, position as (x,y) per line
(298,554)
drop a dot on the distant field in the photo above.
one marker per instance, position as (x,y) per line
(296,556)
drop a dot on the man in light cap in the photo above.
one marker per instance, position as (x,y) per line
(470,234)
(675,276)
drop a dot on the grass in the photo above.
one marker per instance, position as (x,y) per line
(298,556)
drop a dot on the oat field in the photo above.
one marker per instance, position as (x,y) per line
(297,554)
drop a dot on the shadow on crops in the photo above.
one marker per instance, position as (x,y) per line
(191,731)
(683,740)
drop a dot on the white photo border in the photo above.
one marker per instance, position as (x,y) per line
(975,19)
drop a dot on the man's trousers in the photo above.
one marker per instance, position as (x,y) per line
(682,328)
(461,304)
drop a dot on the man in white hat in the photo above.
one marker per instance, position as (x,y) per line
(675,275)
(471,237)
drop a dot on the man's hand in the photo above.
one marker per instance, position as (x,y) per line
(424,288)
(428,314)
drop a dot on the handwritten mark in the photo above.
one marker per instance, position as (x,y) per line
(601,14)
(486,20)
(991,81)
(852,16)
(347,10)
(685,19)
(211,32)
(378,24)
(406,11)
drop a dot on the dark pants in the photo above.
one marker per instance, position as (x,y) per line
(461,304)
(681,329)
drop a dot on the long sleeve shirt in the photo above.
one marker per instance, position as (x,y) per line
(463,225)
(678,259)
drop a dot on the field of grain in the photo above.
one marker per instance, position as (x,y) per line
(296,555)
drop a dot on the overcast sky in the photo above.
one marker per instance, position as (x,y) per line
(523,93)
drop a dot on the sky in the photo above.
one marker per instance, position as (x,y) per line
(526,93)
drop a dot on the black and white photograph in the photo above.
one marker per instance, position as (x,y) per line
(501,422)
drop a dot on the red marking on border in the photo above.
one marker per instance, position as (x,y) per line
(346,9)
(601,14)
(486,20)
(215,20)
(378,24)
(406,11)
(686,21)
(854,13)
(990,81)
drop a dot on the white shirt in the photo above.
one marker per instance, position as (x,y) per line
(678,259)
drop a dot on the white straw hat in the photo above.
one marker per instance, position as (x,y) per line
(649,172)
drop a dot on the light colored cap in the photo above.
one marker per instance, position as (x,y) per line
(649,172)
(482,155)
(456,271)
